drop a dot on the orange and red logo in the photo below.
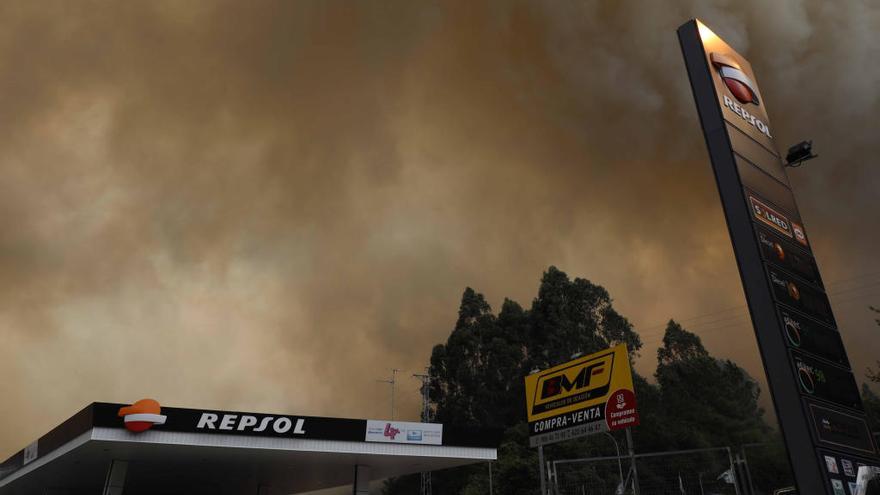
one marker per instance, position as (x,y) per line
(141,415)
(740,85)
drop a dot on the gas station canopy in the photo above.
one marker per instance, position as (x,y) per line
(142,448)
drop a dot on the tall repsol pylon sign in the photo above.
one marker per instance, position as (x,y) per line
(814,391)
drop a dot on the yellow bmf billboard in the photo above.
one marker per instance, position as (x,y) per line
(587,395)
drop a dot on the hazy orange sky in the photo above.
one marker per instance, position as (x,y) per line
(266,206)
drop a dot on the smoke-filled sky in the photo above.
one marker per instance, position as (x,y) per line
(266,206)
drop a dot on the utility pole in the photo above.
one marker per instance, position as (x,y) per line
(392,382)
(426,418)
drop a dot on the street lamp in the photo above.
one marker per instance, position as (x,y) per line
(620,487)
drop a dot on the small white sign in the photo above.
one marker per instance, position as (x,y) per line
(865,474)
(404,432)
(30,453)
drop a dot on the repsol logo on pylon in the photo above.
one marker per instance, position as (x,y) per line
(749,118)
(743,89)
(282,425)
(579,382)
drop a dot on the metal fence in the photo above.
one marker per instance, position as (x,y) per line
(710,471)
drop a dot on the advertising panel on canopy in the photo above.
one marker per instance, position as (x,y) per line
(587,395)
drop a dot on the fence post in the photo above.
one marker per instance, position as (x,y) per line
(490,478)
(632,460)
(748,471)
(733,472)
(541,469)
(555,479)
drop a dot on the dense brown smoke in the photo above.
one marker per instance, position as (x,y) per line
(265,206)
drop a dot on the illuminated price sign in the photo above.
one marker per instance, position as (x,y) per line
(781,253)
(838,429)
(806,335)
(826,382)
(799,296)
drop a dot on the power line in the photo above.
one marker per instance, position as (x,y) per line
(647,331)
(851,289)
(707,327)
(850,279)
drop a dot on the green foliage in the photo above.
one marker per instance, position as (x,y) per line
(768,464)
(571,317)
(472,372)
(680,346)
(706,402)
(480,368)
(874,376)
(698,400)
(872,407)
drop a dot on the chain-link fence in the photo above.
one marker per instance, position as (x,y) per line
(701,471)
(756,469)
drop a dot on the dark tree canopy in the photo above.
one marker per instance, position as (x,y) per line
(680,346)
(872,407)
(706,401)
(874,375)
(574,316)
(697,400)
(480,368)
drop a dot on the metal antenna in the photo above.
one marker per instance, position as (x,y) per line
(425,389)
(392,382)
(426,418)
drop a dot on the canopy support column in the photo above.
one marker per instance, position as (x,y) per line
(115,482)
(361,480)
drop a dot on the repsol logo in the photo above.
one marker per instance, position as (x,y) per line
(745,115)
(281,425)
(579,382)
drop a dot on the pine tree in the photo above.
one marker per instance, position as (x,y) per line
(698,400)
(706,401)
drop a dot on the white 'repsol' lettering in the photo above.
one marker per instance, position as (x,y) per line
(248,423)
(207,421)
(745,115)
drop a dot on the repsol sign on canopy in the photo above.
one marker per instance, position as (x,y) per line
(149,421)
(251,423)
(588,395)
(227,422)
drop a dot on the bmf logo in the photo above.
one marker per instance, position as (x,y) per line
(581,381)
